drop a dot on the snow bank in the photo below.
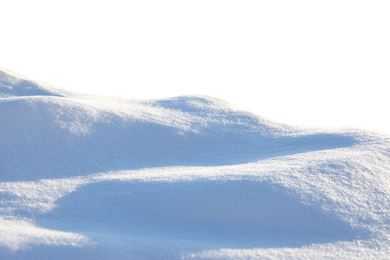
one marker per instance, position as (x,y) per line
(187,177)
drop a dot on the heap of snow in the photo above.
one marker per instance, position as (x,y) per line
(85,176)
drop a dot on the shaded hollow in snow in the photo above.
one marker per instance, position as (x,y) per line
(229,213)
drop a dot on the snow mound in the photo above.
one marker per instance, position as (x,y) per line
(186,177)
(12,84)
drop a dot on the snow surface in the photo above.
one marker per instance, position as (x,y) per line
(187,177)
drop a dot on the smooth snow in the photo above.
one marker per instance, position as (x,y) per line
(187,177)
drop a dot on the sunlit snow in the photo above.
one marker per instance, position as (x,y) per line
(92,177)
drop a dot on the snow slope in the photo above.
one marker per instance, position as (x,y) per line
(86,176)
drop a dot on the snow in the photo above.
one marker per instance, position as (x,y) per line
(188,177)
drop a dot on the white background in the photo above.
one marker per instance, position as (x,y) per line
(322,63)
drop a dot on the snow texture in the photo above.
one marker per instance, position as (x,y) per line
(191,177)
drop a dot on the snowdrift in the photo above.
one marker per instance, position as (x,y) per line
(85,176)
